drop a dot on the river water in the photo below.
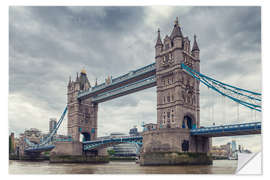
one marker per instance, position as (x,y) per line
(118,167)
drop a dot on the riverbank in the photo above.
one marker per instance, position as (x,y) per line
(79,159)
(118,167)
(115,158)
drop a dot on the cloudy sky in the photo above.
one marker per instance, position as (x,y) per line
(49,44)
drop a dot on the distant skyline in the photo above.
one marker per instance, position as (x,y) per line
(49,44)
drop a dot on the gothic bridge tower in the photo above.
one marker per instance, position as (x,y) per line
(82,114)
(178,104)
(178,94)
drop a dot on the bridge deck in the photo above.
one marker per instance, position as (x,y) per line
(228,130)
(215,131)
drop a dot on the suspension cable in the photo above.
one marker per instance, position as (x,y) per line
(209,108)
(213,106)
(224,110)
(237,112)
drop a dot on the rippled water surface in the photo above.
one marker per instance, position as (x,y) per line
(117,167)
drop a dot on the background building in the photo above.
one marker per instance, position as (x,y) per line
(134,131)
(125,149)
(52,124)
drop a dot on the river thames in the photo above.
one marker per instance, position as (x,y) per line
(118,167)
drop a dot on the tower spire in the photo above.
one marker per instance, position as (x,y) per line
(96,82)
(69,82)
(195,45)
(176,21)
(159,42)
(176,30)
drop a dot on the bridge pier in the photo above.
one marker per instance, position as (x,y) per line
(72,152)
(67,148)
(165,147)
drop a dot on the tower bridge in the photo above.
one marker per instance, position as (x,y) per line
(176,75)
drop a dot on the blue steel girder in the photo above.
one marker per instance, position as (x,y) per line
(244,97)
(132,76)
(97,144)
(124,90)
(39,148)
(228,130)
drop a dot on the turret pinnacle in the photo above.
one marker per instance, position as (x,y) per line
(176,30)
(159,42)
(96,82)
(77,78)
(69,82)
(195,45)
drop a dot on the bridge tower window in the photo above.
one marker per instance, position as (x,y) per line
(187,121)
(168,115)
(168,98)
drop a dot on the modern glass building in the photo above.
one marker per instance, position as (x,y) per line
(126,149)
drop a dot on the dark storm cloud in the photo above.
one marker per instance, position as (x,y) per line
(66,39)
(48,44)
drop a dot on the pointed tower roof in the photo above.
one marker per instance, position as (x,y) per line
(176,30)
(195,45)
(159,42)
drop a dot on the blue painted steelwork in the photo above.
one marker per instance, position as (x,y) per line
(234,129)
(89,145)
(64,140)
(124,89)
(121,79)
(247,98)
(231,130)
(29,143)
(39,148)
(46,143)
(244,97)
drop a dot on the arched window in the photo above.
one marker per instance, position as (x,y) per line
(187,120)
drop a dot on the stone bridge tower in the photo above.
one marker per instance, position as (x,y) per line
(178,94)
(178,105)
(82,115)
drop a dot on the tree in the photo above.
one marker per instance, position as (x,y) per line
(111,152)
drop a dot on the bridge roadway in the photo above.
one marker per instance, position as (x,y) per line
(228,130)
(214,131)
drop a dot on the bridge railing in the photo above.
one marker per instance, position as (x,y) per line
(124,77)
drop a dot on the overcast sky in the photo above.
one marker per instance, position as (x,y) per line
(49,44)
